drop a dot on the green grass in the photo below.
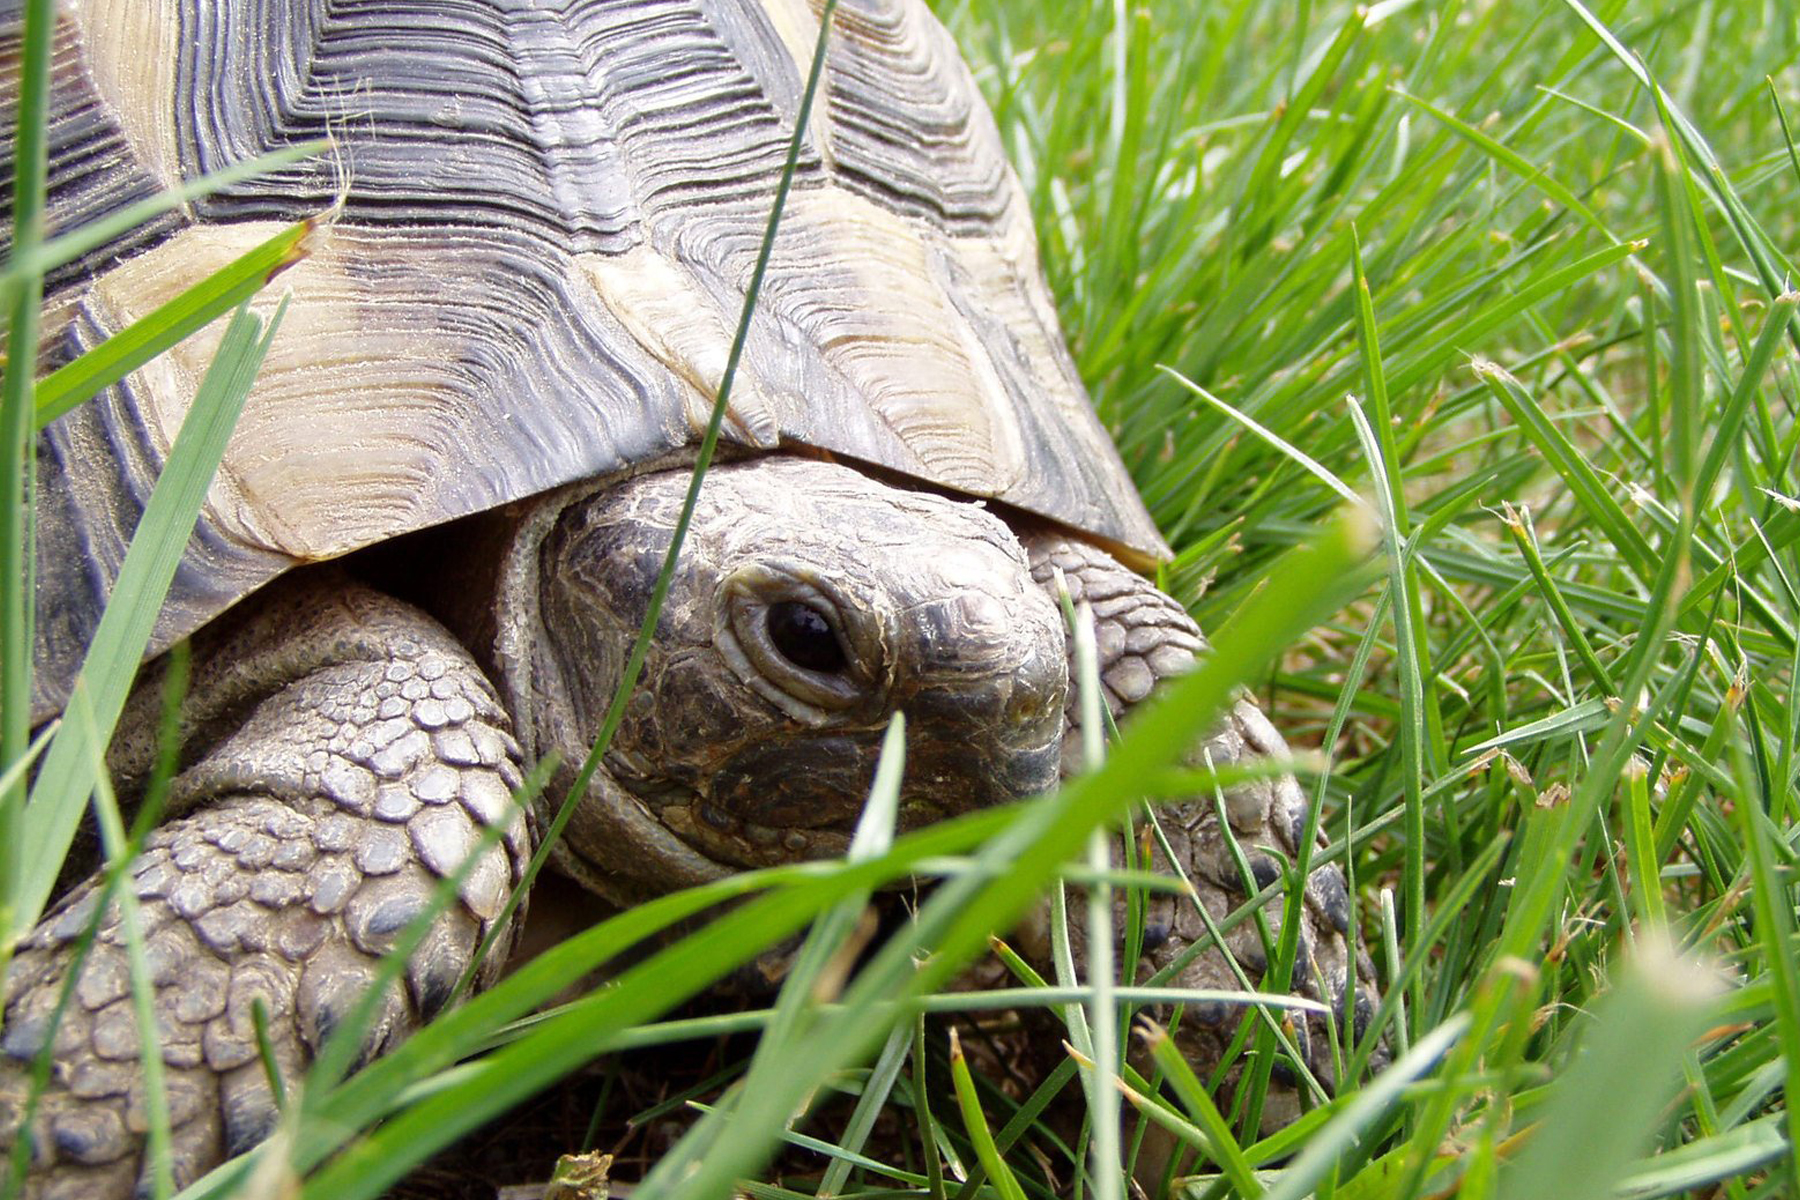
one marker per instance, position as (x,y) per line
(1514,275)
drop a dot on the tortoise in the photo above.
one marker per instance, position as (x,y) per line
(487,392)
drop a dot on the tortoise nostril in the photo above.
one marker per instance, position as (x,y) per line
(1039,689)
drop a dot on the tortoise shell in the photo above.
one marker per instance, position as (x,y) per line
(542,221)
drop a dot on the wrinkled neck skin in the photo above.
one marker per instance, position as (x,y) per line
(809,605)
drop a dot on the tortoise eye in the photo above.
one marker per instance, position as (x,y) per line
(805,638)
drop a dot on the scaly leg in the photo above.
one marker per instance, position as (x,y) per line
(343,754)
(1145,637)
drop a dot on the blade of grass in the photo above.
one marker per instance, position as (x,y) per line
(1691,1169)
(975,1124)
(927,1120)
(120,850)
(120,857)
(147,337)
(85,239)
(1685,383)
(1518,524)
(1602,1112)
(1725,427)
(875,1094)
(1640,847)
(1771,892)
(1103,1018)
(818,968)
(1517,163)
(1220,1144)
(1413,723)
(1416,369)
(1311,465)
(1342,1132)
(1595,500)
(67,776)
(703,456)
(17,572)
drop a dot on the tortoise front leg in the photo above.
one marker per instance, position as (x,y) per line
(344,754)
(1145,637)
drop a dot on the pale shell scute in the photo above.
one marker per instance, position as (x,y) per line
(541,224)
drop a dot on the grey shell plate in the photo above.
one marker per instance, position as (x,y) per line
(545,219)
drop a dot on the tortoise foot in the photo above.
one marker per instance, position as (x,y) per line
(355,756)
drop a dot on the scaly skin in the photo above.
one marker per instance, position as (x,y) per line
(362,752)
(1143,638)
(343,752)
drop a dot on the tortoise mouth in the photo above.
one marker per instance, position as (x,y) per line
(738,843)
(785,801)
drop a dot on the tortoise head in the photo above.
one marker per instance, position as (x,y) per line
(811,603)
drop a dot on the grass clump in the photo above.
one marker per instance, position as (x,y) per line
(1513,280)
(1517,275)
